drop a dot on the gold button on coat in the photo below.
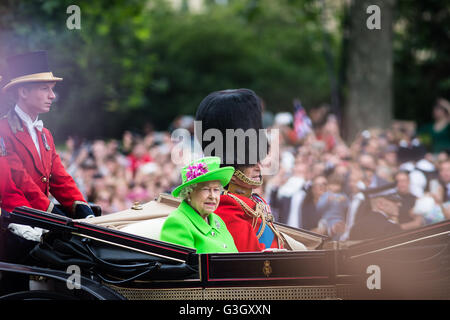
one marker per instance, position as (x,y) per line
(44,179)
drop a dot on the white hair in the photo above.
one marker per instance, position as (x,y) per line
(184,193)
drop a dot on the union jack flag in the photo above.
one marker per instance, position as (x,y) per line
(302,123)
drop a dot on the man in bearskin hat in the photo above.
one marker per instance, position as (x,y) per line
(28,147)
(247,215)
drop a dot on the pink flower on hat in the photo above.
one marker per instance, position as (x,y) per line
(196,170)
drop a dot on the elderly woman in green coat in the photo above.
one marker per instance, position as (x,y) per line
(194,223)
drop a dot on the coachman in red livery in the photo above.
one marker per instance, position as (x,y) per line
(28,147)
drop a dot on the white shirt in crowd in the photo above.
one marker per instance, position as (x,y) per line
(351,214)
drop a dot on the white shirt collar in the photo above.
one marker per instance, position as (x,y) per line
(38,124)
(31,126)
(24,116)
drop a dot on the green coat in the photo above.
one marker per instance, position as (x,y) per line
(184,226)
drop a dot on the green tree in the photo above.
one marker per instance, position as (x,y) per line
(421,57)
(139,61)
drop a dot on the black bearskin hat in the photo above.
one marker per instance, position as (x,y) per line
(239,110)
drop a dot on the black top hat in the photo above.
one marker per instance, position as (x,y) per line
(234,109)
(28,67)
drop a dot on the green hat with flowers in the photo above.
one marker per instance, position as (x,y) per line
(202,170)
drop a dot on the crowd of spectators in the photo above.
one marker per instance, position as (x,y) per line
(323,181)
(319,184)
(115,174)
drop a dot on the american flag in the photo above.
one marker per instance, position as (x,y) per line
(302,123)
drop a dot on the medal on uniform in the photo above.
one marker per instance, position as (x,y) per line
(3,152)
(44,140)
(260,209)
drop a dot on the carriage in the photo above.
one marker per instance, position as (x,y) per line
(119,256)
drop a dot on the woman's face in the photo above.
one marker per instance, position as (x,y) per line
(205,197)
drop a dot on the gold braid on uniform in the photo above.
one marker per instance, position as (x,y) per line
(255,214)
(241,176)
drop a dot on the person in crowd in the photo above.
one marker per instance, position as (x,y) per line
(389,156)
(377,216)
(286,198)
(436,135)
(431,208)
(356,197)
(309,211)
(247,215)
(444,179)
(368,166)
(434,205)
(126,144)
(138,157)
(120,198)
(36,168)
(324,212)
(194,223)
(406,218)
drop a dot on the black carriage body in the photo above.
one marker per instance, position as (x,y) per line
(408,265)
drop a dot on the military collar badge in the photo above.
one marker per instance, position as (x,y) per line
(44,140)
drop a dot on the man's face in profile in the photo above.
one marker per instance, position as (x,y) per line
(37,97)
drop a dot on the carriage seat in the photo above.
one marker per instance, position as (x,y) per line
(149,228)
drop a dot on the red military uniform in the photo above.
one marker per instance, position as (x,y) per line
(13,197)
(34,176)
(248,231)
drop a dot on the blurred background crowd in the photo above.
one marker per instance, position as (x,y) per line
(318,171)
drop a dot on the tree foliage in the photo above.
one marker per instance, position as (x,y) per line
(146,61)
(421,57)
(140,61)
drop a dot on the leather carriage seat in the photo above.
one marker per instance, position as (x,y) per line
(150,228)
(144,220)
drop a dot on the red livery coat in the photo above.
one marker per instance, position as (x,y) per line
(36,178)
(8,189)
(242,226)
